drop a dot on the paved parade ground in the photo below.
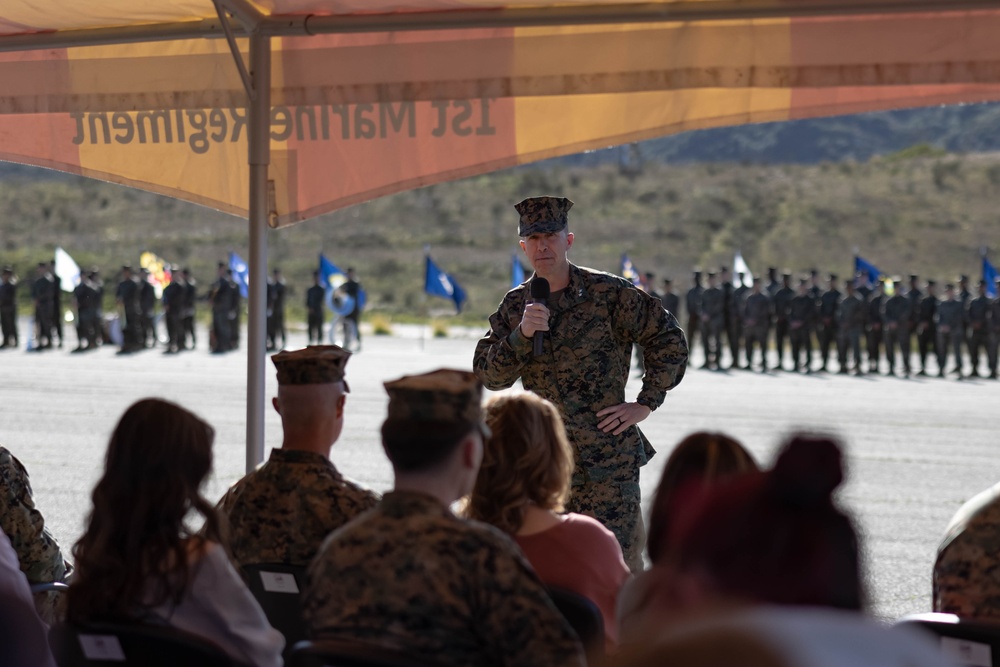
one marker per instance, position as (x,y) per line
(917,448)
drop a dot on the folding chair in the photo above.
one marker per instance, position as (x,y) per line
(584,617)
(965,641)
(133,645)
(350,653)
(278,589)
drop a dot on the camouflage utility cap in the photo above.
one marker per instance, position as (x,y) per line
(542,215)
(443,395)
(316,364)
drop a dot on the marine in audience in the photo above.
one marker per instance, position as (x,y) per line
(38,553)
(282,511)
(966,578)
(22,632)
(412,576)
(140,559)
(521,488)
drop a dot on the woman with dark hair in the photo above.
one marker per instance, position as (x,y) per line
(770,555)
(522,485)
(140,560)
(699,461)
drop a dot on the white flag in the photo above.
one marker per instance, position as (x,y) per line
(739,266)
(67,270)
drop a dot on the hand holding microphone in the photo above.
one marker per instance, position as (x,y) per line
(535,320)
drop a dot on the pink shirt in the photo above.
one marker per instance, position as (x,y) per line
(581,555)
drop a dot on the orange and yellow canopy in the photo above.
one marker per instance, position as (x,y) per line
(390,95)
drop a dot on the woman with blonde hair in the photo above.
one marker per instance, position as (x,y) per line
(139,560)
(522,486)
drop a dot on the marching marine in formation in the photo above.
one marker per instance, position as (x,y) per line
(850,318)
(8,308)
(896,329)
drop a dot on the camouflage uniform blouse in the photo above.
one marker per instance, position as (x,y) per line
(593,324)
(282,511)
(37,551)
(413,576)
(966,579)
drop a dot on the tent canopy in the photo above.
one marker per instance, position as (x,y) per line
(370,97)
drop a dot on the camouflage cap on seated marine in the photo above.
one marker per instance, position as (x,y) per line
(444,395)
(316,364)
(542,215)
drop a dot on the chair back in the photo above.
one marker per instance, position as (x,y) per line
(965,641)
(584,616)
(278,589)
(133,645)
(350,653)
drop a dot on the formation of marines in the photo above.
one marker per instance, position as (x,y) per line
(888,320)
(136,305)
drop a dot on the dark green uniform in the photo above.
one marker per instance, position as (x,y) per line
(896,328)
(977,316)
(221,296)
(86,297)
(951,333)
(412,576)
(756,326)
(713,320)
(782,300)
(850,318)
(828,303)
(8,312)
(593,325)
(801,319)
(874,329)
(927,330)
(314,307)
(692,303)
(994,351)
(282,511)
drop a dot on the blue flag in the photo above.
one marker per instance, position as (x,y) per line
(990,276)
(516,271)
(439,283)
(629,272)
(331,278)
(865,267)
(241,273)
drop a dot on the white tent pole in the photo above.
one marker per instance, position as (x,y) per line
(259,139)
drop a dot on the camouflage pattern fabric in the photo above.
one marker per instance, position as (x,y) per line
(966,574)
(616,504)
(37,551)
(593,325)
(282,511)
(444,395)
(412,576)
(542,215)
(316,364)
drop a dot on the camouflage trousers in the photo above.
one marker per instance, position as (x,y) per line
(617,505)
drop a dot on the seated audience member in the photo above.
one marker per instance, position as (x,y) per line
(412,576)
(701,459)
(522,485)
(770,554)
(282,511)
(138,558)
(966,576)
(37,551)
(22,633)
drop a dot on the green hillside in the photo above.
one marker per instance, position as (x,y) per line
(919,210)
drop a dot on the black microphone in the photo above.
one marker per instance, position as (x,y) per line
(539,294)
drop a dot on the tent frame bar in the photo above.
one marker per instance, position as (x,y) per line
(289,26)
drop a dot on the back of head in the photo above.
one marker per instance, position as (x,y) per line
(701,457)
(429,416)
(157,459)
(776,537)
(527,460)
